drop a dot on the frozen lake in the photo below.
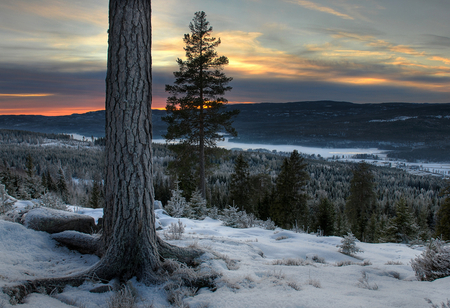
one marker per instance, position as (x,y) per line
(344,155)
(324,152)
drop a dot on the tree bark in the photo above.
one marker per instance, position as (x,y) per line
(131,245)
(129,233)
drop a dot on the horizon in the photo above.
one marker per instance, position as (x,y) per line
(231,103)
(54,52)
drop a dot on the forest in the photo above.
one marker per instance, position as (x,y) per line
(35,164)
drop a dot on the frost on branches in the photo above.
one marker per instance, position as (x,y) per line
(348,245)
(434,262)
(177,204)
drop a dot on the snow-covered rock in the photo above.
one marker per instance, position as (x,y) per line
(55,221)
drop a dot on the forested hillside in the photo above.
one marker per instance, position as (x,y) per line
(410,131)
(29,169)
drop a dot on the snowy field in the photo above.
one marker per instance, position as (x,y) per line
(246,259)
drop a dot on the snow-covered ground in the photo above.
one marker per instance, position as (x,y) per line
(246,259)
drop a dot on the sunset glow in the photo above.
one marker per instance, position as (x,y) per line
(54,52)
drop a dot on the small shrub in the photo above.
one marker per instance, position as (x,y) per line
(363,282)
(231,264)
(443,305)
(283,237)
(294,285)
(314,282)
(393,263)
(348,245)
(292,262)
(318,259)
(433,263)
(53,201)
(175,231)
(346,263)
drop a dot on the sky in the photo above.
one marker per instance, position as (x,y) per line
(53,52)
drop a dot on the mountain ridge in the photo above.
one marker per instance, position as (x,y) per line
(402,127)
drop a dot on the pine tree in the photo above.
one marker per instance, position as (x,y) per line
(443,217)
(326,217)
(348,245)
(198,206)
(290,208)
(62,185)
(403,227)
(176,207)
(240,189)
(95,196)
(195,109)
(30,166)
(361,202)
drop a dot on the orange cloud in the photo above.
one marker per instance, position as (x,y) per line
(25,95)
(445,60)
(314,6)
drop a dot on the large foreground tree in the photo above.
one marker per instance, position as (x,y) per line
(130,243)
(195,109)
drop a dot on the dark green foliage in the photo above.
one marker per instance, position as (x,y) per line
(240,188)
(290,209)
(403,227)
(96,198)
(61,186)
(195,109)
(443,217)
(30,166)
(361,202)
(325,218)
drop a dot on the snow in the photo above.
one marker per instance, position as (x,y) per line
(324,152)
(245,259)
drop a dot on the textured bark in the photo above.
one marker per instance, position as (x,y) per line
(130,240)
(129,232)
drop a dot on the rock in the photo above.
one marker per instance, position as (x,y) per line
(55,221)
(82,242)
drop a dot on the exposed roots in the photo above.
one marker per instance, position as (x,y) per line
(105,271)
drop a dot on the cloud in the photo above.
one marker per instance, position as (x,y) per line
(316,7)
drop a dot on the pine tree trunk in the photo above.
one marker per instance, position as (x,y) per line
(129,232)
(132,247)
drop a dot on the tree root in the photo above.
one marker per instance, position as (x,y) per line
(47,285)
(105,272)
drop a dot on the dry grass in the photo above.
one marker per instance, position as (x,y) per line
(232,265)
(283,237)
(363,282)
(292,262)
(393,263)
(314,282)
(124,298)
(443,305)
(346,263)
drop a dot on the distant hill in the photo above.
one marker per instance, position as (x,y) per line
(416,130)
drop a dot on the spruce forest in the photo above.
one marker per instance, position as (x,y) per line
(292,190)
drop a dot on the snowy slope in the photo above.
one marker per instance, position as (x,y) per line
(245,258)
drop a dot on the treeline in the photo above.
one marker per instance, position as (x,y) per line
(261,183)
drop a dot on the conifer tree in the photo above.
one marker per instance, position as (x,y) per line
(290,208)
(62,185)
(240,189)
(443,217)
(176,207)
(326,216)
(195,109)
(403,227)
(361,202)
(30,166)
(197,205)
